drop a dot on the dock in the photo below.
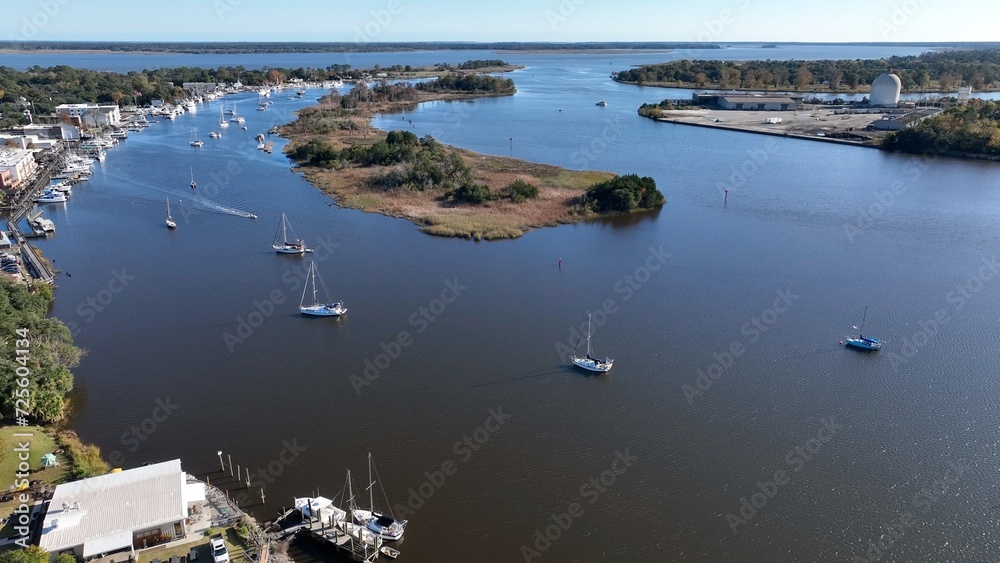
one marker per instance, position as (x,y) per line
(29,257)
(344,543)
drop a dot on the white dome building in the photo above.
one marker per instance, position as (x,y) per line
(885,91)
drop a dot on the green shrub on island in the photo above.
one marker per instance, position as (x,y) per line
(49,354)
(519,191)
(470,192)
(623,194)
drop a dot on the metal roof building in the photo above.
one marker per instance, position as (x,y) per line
(119,510)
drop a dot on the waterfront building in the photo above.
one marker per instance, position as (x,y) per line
(54,131)
(91,115)
(747,102)
(120,511)
(19,164)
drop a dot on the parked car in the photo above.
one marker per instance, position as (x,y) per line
(219,552)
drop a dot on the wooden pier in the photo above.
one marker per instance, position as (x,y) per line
(341,541)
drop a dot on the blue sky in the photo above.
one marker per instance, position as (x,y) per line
(509,20)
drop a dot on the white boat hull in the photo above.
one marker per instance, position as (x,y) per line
(593,364)
(369,520)
(331,310)
(289,249)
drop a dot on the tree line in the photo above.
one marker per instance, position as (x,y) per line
(971,129)
(201,47)
(938,70)
(50,354)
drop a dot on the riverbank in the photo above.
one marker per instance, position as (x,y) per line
(560,191)
(818,125)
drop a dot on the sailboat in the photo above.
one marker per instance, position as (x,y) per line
(170,221)
(860,341)
(317,309)
(281,245)
(222,118)
(194,142)
(385,527)
(591,363)
(193,183)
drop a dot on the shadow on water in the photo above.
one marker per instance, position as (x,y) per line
(563,369)
(626,220)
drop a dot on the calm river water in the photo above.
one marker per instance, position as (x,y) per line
(734,427)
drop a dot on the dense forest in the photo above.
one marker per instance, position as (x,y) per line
(971,129)
(935,70)
(47,358)
(469,83)
(343,47)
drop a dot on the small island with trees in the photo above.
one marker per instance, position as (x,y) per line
(446,190)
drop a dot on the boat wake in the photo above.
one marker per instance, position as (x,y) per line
(205,204)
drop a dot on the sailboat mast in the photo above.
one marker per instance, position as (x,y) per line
(371,487)
(861,332)
(313,268)
(588,336)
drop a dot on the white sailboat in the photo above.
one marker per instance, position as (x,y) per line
(193,183)
(222,118)
(591,363)
(170,221)
(385,527)
(194,142)
(329,308)
(282,245)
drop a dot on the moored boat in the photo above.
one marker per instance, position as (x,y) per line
(589,362)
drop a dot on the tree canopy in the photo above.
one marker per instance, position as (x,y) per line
(49,357)
(624,193)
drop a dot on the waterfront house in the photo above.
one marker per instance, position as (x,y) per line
(91,115)
(120,511)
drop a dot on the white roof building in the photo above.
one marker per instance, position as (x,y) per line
(94,115)
(119,510)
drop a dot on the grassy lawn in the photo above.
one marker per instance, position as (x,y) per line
(233,543)
(41,443)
